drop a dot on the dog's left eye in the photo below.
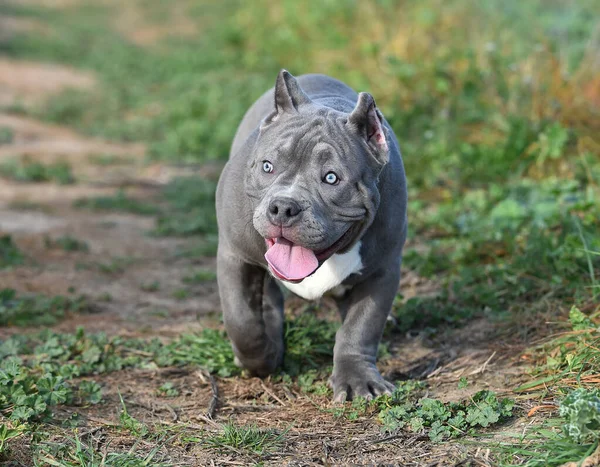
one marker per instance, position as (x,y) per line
(331,178)
(267,167)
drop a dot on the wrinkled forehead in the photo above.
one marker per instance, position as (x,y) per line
(321,135)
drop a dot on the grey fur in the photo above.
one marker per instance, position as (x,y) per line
(306,127)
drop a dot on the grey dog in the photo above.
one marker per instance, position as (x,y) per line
(313,198)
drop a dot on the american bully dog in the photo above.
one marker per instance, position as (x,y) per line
(313,198)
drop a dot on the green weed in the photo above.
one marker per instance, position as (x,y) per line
(167,389)
(309,343)
(109,159)
(25,170)
(119,202)
(7,433)
(408,409)
(129,423)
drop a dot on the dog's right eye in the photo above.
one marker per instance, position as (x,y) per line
(267,167)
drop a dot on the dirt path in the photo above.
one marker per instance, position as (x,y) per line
(124,306)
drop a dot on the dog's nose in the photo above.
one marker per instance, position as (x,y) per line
(283,211)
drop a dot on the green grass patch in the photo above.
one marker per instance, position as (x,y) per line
(75,452)
(37,310)
(249,438)
(107,159)
(570,359)
(26,170)
(191,208)
(10,255)
(119,202)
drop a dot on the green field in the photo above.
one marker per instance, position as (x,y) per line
(496,106)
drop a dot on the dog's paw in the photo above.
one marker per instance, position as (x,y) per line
(352,379)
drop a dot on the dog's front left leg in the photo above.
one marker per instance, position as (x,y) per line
(364,312)
(253,314)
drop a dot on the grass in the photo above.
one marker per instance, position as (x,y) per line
(74,452)
(37,310)
(571,359)
(191,208)
(558,441)
(119,202)
(106,159)
(26,170)
(250,438)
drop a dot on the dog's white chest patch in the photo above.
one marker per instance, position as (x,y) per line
(331,274)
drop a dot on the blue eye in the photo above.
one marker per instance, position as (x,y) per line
(331,178)
(267,167)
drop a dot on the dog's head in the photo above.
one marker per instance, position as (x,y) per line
(312,177)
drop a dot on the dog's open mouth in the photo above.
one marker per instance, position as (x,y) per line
(292,262)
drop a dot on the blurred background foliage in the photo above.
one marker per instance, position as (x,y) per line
(476,91)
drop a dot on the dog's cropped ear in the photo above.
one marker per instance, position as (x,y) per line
(289,96)
(367,121)
(288,93)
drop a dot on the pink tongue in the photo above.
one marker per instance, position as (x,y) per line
(292,262)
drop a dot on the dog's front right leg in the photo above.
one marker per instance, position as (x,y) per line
(253,313)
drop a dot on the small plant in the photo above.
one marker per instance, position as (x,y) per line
(180,294)
(7,433)
(249,438)
(441,420)
(35,310)
(168,389)
(129,423)
(581,409)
